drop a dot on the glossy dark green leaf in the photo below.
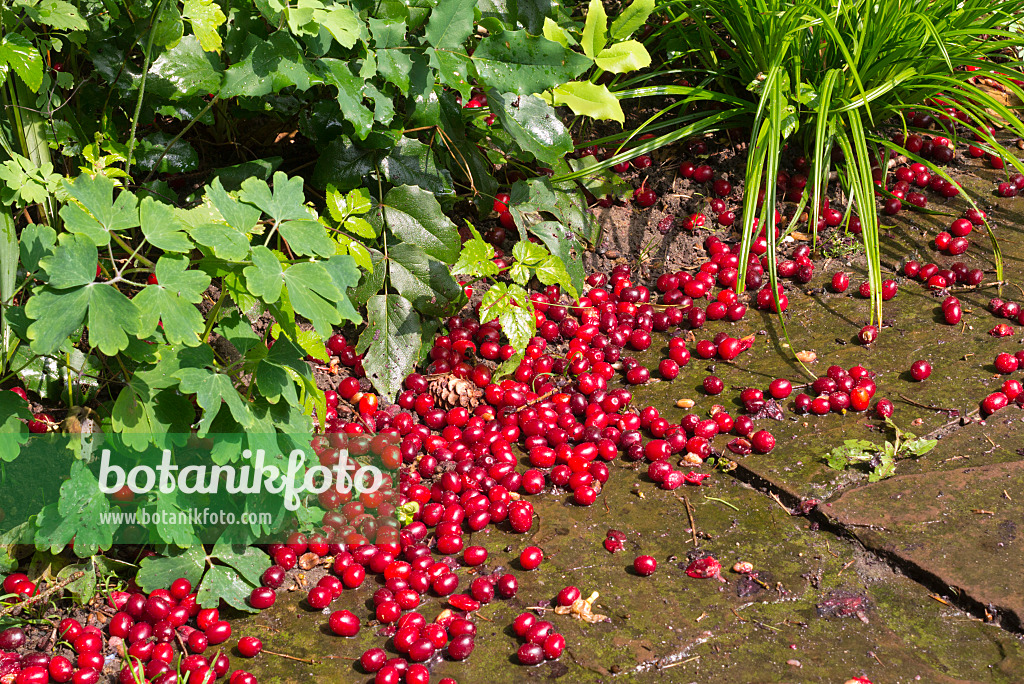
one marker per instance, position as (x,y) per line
(412,163)
(185,71)
(517,62)
(156,152)
(390,343)
(345,165)
(414,216)
(350,94)
(533,124)
(424,281)
(450,23)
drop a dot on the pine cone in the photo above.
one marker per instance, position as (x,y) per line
(451,391)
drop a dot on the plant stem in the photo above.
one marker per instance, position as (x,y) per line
(142,86)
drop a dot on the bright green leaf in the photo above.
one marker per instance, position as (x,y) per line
(554,32)
(589,99)
(533,125)
(206,17)
(162,228)
(629,55)
(73,262)
(265,276)
(595,29)
(631,18)
(450,23)
(95,212)
(21,55)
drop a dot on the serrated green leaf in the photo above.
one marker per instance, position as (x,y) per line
(269,66)
(511,305)
(533,124)
(57,314)
(82,589)
(414,216)
(344,165)
(563,245)
(410,162)
(885,468)
(162,227)
(157,572)
(345,274)
(516,62)
(95,212)
(393,60)
(285,202)
(836,459)
(476,259)
(159,151)
(59,15)
(224,584)
(589,99)
(391,342)
(206,17)
(76,516)
(141,412)
(21,55)
(313,295)
(453,69)
(13,411)
(595,29)
(249,561)
(424,281)
(72,263)
(266,275)
(342,23)
(362,256)
(620,58)
(168,28)
(631,18)
(552,31)
(172,301)
(350,98)
(450,23)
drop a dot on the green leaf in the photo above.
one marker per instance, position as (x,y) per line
(533,125)
(59,15)
(83,588)
(595,30)
(157,572)
(185,71)
(532,13)
(266,276)
(269,66)
(919,447)
(476,258)
(342,23)
(156,152)
(453,69)
(226,242)
(313,295)
(212,390)
(162,227)
(285,202)
(410,162)
(307,238)
(836,459)
(424,281)
(172,301)
(516,62)
(237,330)
(57,314)
(168,28)
(511,305)
(885,468)
(450,23)
(20,54)
(629,55)
(13,432)
(414,216)
(345,274)
(589,99)
(206,17)
(224,584)
(563,245)
(239,215)
(35,243)
(393,60)
(631,18)
(391,342)
(177,533)
(345,165)
(95,212)
(350,98)
(72,263)
(141,412)
(249,561)
(76,516)
(552,31)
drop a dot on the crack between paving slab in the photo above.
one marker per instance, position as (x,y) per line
(1000,616)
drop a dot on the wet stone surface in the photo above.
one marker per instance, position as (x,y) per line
(910,579)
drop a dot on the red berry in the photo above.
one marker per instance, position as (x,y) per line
(531,557)
(645,197)
(713,385)
(645,565)
(762,442)
(1006,363)
(344,623)
(249,646)
(840,281)
(920,370)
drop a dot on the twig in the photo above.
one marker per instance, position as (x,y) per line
(938,598)
(843,569)
(938,409)
(309,661)
(715,498)
(43,594)
(872,654)
(775,497)
(681,662)
(693,526)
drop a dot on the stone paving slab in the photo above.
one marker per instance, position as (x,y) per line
(963,526)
